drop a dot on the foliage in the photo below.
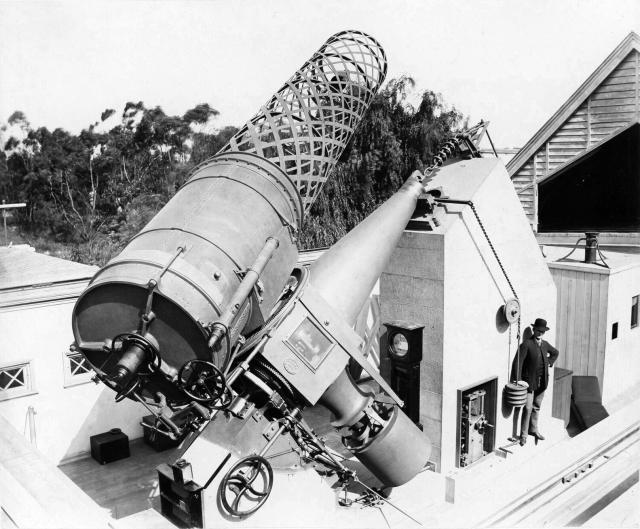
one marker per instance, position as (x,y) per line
(90,193)
(393,140)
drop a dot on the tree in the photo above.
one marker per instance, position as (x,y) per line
(393,140)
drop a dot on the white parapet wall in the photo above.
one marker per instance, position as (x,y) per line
(52,400)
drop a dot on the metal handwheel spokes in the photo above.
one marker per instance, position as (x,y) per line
(246,486)
(203,382)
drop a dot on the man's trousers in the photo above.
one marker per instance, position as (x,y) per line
(530,412)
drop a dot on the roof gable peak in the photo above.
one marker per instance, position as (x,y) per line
(630,43)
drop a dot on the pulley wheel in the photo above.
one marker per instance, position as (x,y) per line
(511,310)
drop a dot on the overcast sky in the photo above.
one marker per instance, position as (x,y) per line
(510,62)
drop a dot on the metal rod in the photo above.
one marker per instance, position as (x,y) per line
(490,141)
(387,501)
(224,322)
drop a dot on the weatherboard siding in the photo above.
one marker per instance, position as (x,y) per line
(581,320)
(611,106)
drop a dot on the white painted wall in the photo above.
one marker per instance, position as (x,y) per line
(412,289)
(475,349)
(65,417)
(622,355)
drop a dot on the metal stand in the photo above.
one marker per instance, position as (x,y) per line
(591,247)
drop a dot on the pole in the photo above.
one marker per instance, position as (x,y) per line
(4,207)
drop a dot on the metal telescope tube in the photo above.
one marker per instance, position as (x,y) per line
(345,275)
(256,189)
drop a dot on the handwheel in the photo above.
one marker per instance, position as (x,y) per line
(203,382)
(246,486)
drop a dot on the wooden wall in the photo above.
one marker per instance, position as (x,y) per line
(611,106)
(581,320)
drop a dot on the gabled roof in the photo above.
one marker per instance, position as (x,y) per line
(631,42)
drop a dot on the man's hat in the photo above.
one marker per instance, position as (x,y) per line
(540,323)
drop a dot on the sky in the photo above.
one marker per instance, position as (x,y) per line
(513,63)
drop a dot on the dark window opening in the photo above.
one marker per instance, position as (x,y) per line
(614,331)
(634,311)
(599,192)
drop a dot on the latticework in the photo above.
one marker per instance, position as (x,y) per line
(306,124)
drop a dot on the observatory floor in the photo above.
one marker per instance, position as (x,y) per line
(122,487)
(128,488)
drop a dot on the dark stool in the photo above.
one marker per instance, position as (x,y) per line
(586,401)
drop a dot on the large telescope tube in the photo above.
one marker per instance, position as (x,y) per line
(155,306)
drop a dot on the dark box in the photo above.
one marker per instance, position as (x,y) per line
(109,446)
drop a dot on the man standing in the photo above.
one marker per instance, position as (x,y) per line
(531,364)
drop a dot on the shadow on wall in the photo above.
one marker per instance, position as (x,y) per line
(502,325)
(105,414)
(507,408)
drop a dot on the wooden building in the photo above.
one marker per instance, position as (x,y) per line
(597,328)
(576,151)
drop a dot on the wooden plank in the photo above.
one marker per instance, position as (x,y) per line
(614,109)
(562,132)
(573,125)
(565,152)
(613,101)
(605,128)
(561,342)
(625,70)
(578,360)
(568,139)
(603,337)
(612,89)
(567,312)
(606,95)
(637,95)
(584,316)
(622,83)
(618,119)
(594,321)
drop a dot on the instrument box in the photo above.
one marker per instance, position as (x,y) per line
(109,446)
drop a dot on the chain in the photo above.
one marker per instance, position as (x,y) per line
(446,150)
(495,254)
(450,146)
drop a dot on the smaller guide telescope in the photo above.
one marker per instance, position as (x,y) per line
(205,319)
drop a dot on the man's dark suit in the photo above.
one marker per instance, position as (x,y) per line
(532,365)
(528,361)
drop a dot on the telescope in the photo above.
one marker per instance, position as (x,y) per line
(205,319)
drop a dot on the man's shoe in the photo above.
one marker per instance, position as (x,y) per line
(537,435)
(523,440)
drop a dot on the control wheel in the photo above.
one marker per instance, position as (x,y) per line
(204,382)
(246,486)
